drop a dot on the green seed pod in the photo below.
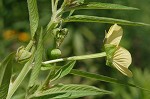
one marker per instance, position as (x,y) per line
(55,53)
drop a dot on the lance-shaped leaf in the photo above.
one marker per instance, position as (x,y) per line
(98,5)
(99,77)
(63,71)
(33,16)
(69,91)
(93,76)
(20,78)
(85,18)
(5,75)
(38,60)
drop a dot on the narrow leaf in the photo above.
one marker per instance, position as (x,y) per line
(64,70)
(3,66)
(20,78)
(5,75)
(104,78)
(98,5)
(33,16)
(70,91)
(38,60)
(67,68)
(96,77)
(85,18)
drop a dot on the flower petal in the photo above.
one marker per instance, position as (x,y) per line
(123,69)
(122,57)
(114,35)
(121,61)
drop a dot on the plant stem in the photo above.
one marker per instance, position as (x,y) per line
(52,1)
(56,4)
(28,47)
(81,57)
(55,20)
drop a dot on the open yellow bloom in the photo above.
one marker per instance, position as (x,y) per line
(117,56)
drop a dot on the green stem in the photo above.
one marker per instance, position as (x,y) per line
(28,47)
(52,1)
(53,23)
(56,4)
(81,57)
(46,81)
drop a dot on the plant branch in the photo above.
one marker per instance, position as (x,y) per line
(56,4)
(52,2)
(28,47)
(81,57)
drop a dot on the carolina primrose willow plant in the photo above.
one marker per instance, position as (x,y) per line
(32,56)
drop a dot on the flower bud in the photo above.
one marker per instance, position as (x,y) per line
(22,55)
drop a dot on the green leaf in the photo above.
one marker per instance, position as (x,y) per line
(95,77)
(5,75)
(85,18)
(98,5)
(38,60)
(104,78)
(64,70)
(67,68)
(69,91)
(33,16)
(20,78)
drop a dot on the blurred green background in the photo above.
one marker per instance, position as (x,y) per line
(86,38)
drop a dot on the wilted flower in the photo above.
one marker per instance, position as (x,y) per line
(117,56)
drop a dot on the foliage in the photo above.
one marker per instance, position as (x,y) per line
(33,57)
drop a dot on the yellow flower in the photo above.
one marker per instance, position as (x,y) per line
(117,56)
(121,60)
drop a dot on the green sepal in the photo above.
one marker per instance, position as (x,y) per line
(110,50)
